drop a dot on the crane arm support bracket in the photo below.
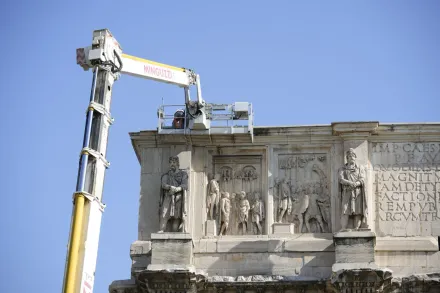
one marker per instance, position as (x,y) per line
(101,109)
(97,155)
(90,198)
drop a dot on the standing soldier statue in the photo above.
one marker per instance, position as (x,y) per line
(257,211)
(284,198)
(243,213)
(225,207)
(173,198)
(352,190)
(212,197)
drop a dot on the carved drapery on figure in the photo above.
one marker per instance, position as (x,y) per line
(352,192)
(172,202)
(301,193)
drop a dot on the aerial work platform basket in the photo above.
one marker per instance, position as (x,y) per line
(236,118)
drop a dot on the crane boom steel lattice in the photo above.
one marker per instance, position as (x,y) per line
(106,60)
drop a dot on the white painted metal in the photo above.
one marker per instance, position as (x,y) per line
(241,107)
(91,247)
(140,68)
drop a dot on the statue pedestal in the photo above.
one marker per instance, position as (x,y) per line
(354,249)
(355,269)
(283,228)
(171,269)
(171,250)
(211,228)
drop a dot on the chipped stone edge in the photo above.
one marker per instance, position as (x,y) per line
(121,286)
(171,236)
(260,278)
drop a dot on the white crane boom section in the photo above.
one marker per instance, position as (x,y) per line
(144,68)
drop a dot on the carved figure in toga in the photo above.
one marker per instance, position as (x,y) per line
(172,199)
(352,191)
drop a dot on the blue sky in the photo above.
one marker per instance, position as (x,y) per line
(298,62)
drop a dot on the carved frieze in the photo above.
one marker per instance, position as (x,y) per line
(301,192)
(226,173)
(247,173)
(240,209)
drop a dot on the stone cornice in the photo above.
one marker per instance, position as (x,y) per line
(291,135)
(354,129)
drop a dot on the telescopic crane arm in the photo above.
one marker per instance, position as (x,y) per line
(107,61)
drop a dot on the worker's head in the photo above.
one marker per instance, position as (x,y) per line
(242,194)
(174,163)
(225,194)
(179,119)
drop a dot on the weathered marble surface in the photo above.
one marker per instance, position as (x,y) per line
(354,247)
(301,164)
(171,249)
(360,280)
(407,188)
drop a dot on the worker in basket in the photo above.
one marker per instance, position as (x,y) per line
(179,119)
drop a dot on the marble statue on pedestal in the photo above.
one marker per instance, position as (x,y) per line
(352,191)
(173,198)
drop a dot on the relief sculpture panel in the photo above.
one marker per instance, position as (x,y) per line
(234,195)
(301,192)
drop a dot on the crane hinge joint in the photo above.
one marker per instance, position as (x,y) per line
(192,76)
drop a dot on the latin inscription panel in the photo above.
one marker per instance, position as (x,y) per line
(407,188)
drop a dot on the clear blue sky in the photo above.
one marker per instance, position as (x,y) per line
(298,62)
